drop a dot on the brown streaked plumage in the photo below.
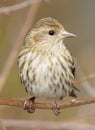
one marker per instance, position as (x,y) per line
(46,66)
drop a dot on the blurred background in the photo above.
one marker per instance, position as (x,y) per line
(78,17)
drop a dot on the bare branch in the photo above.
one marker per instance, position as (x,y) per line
(13,53)
(91,76)
(18,6)
(72,125)
(68,104)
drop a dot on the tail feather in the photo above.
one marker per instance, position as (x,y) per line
(72,93)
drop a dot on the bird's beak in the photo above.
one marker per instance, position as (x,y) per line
(67,34)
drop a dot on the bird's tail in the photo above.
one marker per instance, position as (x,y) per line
(72,92)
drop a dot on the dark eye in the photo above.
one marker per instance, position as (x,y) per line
(51,32)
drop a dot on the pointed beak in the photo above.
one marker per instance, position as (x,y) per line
(67,34)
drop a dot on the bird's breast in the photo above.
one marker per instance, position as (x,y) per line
(46,76)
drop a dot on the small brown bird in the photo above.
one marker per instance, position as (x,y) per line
(46,66)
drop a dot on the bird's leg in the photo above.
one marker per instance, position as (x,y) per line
(55,107)
(28,105)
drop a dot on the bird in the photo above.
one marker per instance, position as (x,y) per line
(46,66)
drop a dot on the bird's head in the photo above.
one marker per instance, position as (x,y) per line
(49,31)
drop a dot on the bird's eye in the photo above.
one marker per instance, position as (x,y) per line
(51,32)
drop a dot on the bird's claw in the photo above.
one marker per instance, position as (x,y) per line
(56,108)
(28,105)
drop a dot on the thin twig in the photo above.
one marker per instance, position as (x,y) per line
(79,81)
(24,4)
(68,104)
(13,54)
(72,125)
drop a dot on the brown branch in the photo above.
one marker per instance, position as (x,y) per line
(79,81)
(40,124)
(24,4)
(13,53)
(68,104)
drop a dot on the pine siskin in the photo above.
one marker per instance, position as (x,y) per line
(46,66)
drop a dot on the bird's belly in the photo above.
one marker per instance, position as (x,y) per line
(46,82)
(46,90)
(46,86)
(43,90)
(46,79)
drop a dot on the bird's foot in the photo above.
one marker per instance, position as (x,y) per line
(28,105)
(56,108)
